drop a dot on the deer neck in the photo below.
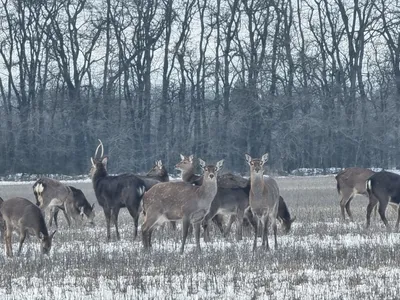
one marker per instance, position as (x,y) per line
(208,190)
(99,174)
(257,183)
(187,175)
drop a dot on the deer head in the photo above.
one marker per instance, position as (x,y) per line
(98,163)
(46,242)
(256,164)
(210,172)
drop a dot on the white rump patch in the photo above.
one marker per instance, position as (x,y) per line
(39,188)
(141,191)
(369,184)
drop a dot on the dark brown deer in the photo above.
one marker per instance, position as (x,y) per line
(24,217)
(173,201)
(263,199)
(115,192)
(383,188)
(351,182)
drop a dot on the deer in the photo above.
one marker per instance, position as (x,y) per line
(24,217)
(232,199)
(174,201)
(383,188)
(115,192)
(351,182)
(76,207)
(51,194)
(263,199)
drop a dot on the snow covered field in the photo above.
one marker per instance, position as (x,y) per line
(322,258)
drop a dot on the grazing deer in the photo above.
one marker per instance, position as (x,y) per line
(115,192)
(351,182)
(51,194)
(173,201)
(23,216)
(263,199)
(383,188)
(76,207)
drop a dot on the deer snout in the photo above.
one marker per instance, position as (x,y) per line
(211,176)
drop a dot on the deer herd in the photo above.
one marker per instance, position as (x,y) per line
(195,200)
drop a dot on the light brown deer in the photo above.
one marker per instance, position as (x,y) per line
(351,182)
(25,217)
(173,201)
(263,199)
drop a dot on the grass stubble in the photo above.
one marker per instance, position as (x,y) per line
(322,258)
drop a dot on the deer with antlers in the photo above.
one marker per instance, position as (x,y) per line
(115,192)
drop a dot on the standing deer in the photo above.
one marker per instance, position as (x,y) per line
(173,201)
(115,192)
(351,182)
(232,199)
(23,216)
(76,207)
(383,188)
(263,199)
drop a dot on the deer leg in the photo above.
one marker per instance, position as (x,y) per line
(114,216)
(229,225)
(53,214)
(275,229)
(372,202)
(265,233)
(185,229)
(347,206)
(135,215)
(66,217)
(239,228)
(255,235)
(197,235)
(398,218)
(22,236)
(250,217)
(218,220)
(107,214)
(210,215)
(346,198)
(382,211)
(173,225)
(8,242)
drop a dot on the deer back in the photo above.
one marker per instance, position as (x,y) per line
(48,191)
(385,186)
(353,179)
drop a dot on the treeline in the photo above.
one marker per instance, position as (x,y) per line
(314,83)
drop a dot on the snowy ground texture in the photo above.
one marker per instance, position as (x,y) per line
(322,258)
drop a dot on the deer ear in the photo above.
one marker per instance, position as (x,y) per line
(219,165)
(264,158)
(202,163)
(104,161)
(191,158)
(159,163)
(182,156)
(248,158)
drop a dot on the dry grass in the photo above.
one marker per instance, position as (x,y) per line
(322,258)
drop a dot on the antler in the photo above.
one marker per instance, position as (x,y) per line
(97,149)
